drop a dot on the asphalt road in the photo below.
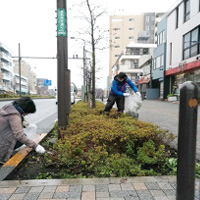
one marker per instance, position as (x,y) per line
(166,115)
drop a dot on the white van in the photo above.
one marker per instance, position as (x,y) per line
(73,93)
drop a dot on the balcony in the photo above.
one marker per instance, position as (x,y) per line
(7,77)
(5,56)
(6,67)
(126,69)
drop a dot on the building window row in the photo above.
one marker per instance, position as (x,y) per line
(161,38)
(191,43)
(158,62)
(117,46)
(137,51)
(116,29)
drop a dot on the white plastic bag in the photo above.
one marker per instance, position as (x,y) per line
(132,105)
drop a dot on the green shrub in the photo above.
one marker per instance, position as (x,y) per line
(108,145)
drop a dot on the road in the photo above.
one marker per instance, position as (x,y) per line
(45,115)
(165,115)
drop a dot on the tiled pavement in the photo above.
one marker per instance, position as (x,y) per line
(132,188)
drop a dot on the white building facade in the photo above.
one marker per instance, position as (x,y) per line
(6,70)
(183,44)
(129,60)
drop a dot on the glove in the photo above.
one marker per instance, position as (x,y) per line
(40,149)
(25,124)
(138,93)
(126,94)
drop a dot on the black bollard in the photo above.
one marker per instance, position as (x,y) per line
(187,141)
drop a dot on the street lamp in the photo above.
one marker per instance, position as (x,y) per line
(84,58)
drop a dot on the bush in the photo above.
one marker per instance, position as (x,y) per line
(103,146)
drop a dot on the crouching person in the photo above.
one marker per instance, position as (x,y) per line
(11,128)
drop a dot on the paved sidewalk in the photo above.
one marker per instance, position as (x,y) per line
(133,188)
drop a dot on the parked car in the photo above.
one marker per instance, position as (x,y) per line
(74,91)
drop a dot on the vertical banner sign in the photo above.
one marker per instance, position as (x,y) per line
(61,22)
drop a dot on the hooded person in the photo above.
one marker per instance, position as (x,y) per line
(118,92)
(11,128)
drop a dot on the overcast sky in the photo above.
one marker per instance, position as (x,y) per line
(32,23)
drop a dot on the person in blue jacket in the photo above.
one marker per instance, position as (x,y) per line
(118,92)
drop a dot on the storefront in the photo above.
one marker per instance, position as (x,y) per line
(183,73)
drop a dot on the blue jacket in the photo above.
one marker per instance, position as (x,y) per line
(118,88)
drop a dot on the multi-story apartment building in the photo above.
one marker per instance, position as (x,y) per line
(32,83)
(128,61)
(183,44)
(41,88)
(6,70)
(125,29)
(24,84)
(28,77)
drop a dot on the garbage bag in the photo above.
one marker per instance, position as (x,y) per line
(132,105)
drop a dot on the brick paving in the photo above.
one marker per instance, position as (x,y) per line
(132,188)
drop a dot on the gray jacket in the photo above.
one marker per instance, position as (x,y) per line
(11,130)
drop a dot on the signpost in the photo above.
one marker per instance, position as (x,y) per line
(47,82)
(61,22)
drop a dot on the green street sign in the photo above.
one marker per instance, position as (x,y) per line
(61,22)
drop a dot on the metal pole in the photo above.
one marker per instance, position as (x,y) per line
(84,63)
(63,76)
(151,72)
(187,141)
(20,85)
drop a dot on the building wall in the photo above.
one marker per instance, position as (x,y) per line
(149,26)
(6,69)
(175,36)
(124,23)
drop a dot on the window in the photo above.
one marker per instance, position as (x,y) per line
(191,43)
(158,62)
(131,19)
(134,63)
(186,10)
(154,63)
(147,18)
(131,29)
(145,51)
(131,38)
(170,54)
(117,46)
(116,29)
(177,14)
(116,55)
(147,27)
(199,5)
(117,38)
(161,60)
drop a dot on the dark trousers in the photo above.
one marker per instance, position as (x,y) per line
(111,101)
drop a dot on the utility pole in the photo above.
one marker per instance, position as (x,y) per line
(84,64)
(19,57)
(64,101)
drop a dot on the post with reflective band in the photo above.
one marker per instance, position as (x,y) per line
(187,141)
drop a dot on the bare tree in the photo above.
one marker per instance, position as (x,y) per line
(96,34)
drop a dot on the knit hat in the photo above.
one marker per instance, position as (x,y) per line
(26,104)
(122,75)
